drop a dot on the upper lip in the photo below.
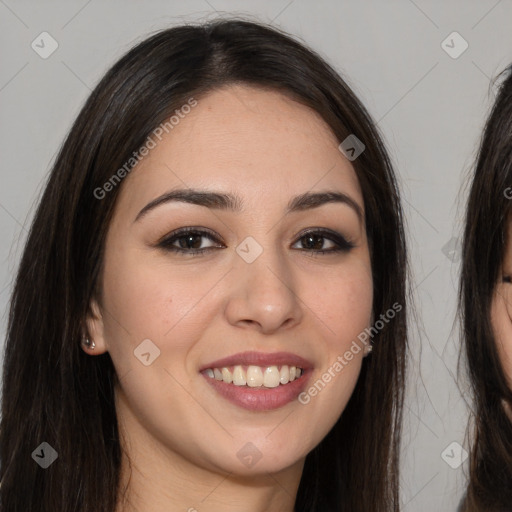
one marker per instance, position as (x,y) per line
(260,359)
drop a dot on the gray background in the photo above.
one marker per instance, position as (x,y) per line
(429,106)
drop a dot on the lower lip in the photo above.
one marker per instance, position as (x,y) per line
(261,398)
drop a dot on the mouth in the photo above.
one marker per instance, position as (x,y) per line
(259,381)
(255,376)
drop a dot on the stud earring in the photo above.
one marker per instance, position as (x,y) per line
(368,349)
(88,343)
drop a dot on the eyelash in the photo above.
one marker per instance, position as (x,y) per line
(343,244)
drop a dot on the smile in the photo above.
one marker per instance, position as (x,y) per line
(255,376)
(258,381)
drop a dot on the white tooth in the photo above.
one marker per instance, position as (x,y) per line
(254,376)
(284,374)
(210,373)
(217,373)
(227,376)
(239,376)
(271,377)
(292,373)
(298,372)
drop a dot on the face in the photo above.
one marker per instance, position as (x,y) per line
(247,283)
(501,312)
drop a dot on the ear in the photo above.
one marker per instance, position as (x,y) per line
(95,330)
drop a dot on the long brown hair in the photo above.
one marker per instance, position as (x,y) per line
(53,392)
(487,219)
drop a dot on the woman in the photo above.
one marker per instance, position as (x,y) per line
(217,250)
(486,304)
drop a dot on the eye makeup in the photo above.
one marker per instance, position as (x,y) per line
(192,235)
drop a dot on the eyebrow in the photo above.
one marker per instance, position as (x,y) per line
(226,201)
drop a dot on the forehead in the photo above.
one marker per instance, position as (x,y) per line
(245,138)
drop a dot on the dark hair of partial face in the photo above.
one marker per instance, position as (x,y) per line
(483,252)
(55,392)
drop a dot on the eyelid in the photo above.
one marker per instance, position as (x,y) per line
(326,232)
(342,244)
(188,229)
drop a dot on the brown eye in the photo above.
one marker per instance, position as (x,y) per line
(314,241)
(507,279)
(189,241)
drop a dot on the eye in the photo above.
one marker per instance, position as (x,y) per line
(314,241)
(507,279)
(189,240)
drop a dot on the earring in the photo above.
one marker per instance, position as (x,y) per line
(368,349)
(89,343)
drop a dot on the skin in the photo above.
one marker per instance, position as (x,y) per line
(501,315)
(181,436)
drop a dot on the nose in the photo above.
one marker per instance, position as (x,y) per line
(263,295)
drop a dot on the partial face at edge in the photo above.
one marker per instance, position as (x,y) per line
(197,309)
(501,311)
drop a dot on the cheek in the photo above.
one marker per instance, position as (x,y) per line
(345,310)
(501,319)
(505,354)
(345,305)
(158,302)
